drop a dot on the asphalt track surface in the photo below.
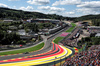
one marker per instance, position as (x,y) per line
(46,48)
(54,50)
(60,52)
(48,51)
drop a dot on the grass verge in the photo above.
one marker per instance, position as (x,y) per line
(81,49)
(58,39)
(71,28)
(37,47)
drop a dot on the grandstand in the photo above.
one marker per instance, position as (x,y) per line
(45,20)
(71,40)
(93,29)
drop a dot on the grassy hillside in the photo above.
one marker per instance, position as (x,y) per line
(88,17)
(89,21)
(92,19)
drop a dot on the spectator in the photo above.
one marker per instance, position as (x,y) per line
(90,57)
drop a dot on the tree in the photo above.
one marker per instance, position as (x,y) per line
(32,26)
(8,38)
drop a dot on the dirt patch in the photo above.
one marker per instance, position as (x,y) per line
(85,34)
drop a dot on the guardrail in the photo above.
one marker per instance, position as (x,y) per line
(27,45)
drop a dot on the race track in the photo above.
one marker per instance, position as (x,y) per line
(58,52)
(50,53)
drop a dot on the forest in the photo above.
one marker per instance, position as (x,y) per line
(19,14)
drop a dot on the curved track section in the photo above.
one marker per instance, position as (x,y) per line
(58,52)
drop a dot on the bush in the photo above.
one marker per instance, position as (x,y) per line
(21,42)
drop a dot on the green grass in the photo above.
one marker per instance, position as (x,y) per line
(37,47)
(58,39)
(73,24)
(71,28)
(81,49)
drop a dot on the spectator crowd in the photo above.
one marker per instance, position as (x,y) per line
(91,57)
(71,40)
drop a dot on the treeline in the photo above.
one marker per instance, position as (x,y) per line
(19,14)
(89,41)
(5,26)
(87,17)
(6,38)
(10,38)
(96,22)
(95,19)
